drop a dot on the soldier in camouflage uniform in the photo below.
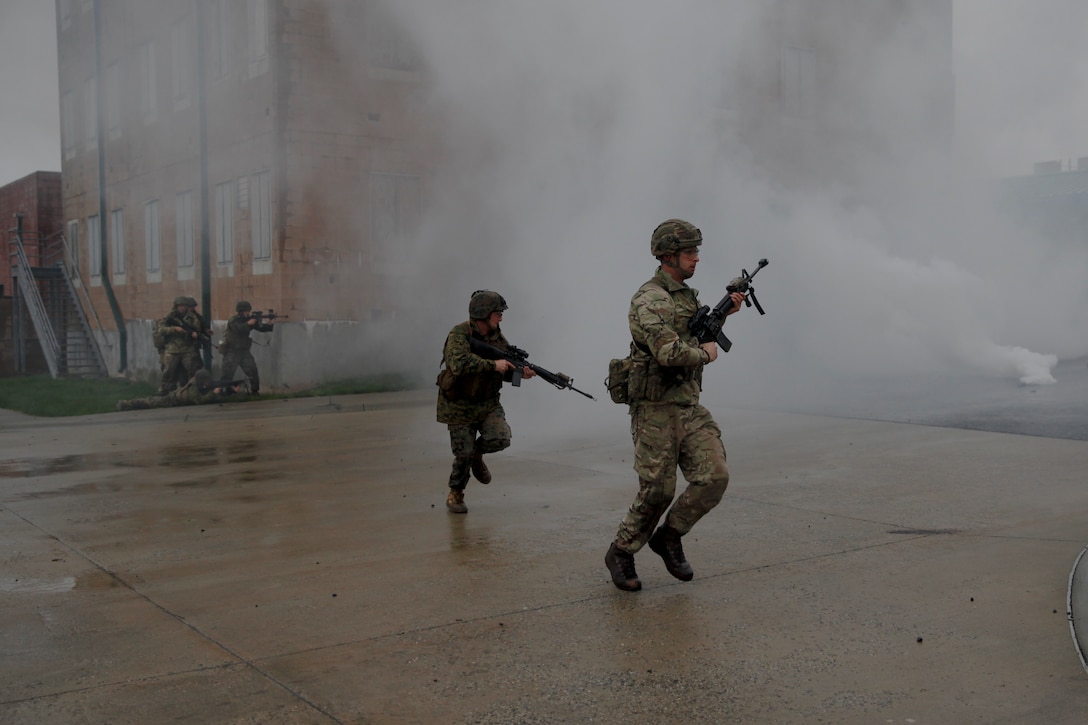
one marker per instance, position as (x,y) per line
(468,395)
(236,345)
(205,331)
(199,390)
(668,425)
(181,351)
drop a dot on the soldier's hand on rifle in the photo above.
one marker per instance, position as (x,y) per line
(711,350)
(528,372)
(738,300)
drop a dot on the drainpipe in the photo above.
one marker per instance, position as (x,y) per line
(205,235)
(122,333)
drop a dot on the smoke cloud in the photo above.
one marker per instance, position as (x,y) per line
(572,129)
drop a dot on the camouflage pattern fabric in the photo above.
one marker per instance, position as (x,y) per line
(477,378)
(478,409)
(236,335)
(181,356)
(236,346)
(667,436)
(669,427)
(490,435)
(189,394)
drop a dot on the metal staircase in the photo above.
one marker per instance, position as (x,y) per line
(49,295)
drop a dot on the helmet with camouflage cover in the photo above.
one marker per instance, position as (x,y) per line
(483,303)
(192,301)
(243,306)
(673,235)
(181,301)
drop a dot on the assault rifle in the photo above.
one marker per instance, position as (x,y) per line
(517,357)
(204,341)
(707,323)
(270,315)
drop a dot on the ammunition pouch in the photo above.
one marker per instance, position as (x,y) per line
(619,379)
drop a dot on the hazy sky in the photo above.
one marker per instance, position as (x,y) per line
(1022,72)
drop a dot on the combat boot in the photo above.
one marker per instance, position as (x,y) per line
(479,468)
(666,543)
(455,502)
(621,565)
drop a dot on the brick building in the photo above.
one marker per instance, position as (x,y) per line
(228,171)
(37,199)
(281,151)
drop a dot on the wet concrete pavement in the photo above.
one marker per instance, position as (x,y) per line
(292,562)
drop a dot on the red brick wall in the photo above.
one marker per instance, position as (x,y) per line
(38,198)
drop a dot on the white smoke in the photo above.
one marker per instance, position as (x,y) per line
(571,129)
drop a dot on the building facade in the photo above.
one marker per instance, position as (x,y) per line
(240,149)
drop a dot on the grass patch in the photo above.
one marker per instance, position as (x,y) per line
(44,396)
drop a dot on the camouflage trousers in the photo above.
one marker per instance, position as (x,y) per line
(490,435)
(668,436)
(177,368)
(234,360)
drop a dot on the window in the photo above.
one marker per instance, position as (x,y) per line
(261,215)
(184,220)
(152,239)
(112,91)
(148,98)
(257,31)
(73,241)
(94,249)
(68,124)
(117,242)
(394,214)
(181,66)
(389,47)
(90,113)
(224,224)
(220,38)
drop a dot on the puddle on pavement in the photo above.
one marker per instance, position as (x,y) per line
(169,456)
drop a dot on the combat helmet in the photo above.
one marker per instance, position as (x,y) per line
(243,306)
(673,235)
(181,301)
(483,303)
(192,301)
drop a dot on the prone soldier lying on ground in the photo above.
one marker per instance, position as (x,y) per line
(200,389)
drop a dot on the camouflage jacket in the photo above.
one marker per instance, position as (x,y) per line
(179,343)
(476,382)
(236,335)
(667,362)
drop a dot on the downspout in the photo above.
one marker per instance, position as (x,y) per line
(122,333)
(205,252)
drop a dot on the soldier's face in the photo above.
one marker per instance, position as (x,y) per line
(493,320)
(684,263)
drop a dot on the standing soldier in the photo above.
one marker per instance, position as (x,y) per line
(668,425)
(204,338)
(468,395)
(236,344)
(180,330)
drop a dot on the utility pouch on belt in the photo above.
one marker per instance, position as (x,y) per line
(619,376)
(447,384)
